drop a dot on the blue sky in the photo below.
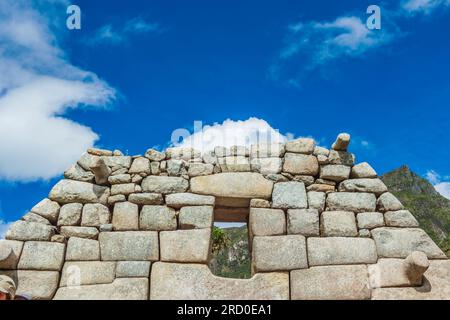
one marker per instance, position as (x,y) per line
(137,70)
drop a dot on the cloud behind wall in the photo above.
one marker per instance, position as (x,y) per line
(38,84)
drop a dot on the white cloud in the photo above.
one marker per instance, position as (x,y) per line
(423,6)
(4,226)
(37,85)
(108,34)
(230,133)
(443,188)
(433,177)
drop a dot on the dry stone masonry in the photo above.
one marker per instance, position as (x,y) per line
(320,227)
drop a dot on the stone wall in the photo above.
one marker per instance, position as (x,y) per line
(321,227)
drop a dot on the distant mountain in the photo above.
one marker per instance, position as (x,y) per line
(418,196)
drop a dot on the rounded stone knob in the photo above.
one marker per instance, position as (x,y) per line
(416,264)
(342,142)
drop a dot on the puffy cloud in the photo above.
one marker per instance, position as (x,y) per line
(37,85)
(423,6)
(433,177)
(230,133)
(443,188)
(3,228)
(108,34)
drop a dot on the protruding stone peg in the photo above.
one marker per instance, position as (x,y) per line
(100,170)
(342,142)
(416,264)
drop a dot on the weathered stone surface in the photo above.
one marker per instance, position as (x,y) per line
(303,221)
(338,224)
(316,200)
(70,214)
(79,249)
(400,218)
(321,151)
(259,203)
(146,198)
(67,191)
(209,157)
(267,165)
(239,151)
(364,233)
(165,185)
(301,145)
(94,215)
(363,170)
(349,201)
(178,200)
(341,157)
(79,232)
(99,152)
(125,189)
(117,161)
(125,216)
(435,285)
(58,238)
(318,187)
(307,180)
(290,195)
(197,217)
(267,150)
(101,171)
(34,217)
(106,227)
(76,273)
(388,202)
(267,222)
(363,185)
(86,161)
(234,185)
(132,269)
(155,155)
(76,172)
(416,264)
(334,172)
(300,164)
(279,253)
(195,281)
(112,200)
(221,152)
(47,209)
(185,245)
(200,169)
(10,251)
(140,165)
(370,220)
(38,255)
(400,242)
(349,283)
(176,167)
(182,153)
(29,231)
(157,218)
(234,164)
(129,245)
(120,289)
(342,142)
(340,250)
(37,285)
(119,178)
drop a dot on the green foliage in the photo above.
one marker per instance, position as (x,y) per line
(220,240)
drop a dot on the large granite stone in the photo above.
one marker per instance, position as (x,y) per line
(196,282)
(267,165)
(79,232)
(363,185)
(68,191)
(400,218)
(47,209)
(233,185)
(185,245)
(335,173)
(330,283)
(164,185)
(146,198)
(338,224)
(400,242)
(301,164)
(129,245)
(363,170)
(76,273)
(289,195)
(350,201)
(301,145)
(94,215)
(70,214)
(388,202)
(125,216)
(178,200)
(196,217)
(267,222)
(38,255)
(132,269)
(79,249)
(316,200)
(29,231)
(340,250)
(303,221)
(157,218)
(370,220)
(120,289)
(279,253)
